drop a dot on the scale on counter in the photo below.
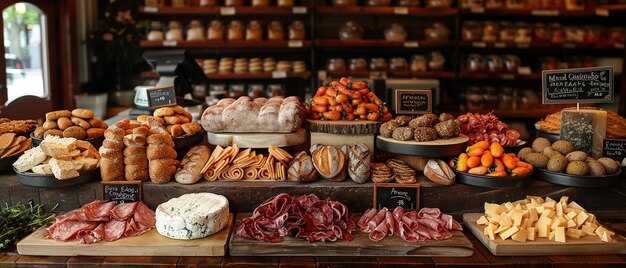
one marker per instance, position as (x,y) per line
(175,67)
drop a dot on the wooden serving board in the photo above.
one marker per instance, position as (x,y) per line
(457,246)
(358,127)
(587,245)
(258,140)
(148,244)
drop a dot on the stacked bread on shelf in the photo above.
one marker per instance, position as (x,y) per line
(112,151)
(176,120)
(135,159)
(161,154)
(78,123)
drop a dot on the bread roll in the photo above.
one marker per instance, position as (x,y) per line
(162,170)
(192,164)
(302,168)
(439,172)
(359,163)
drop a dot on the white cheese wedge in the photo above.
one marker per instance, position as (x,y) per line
(192,216)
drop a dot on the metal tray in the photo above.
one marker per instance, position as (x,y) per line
(96,142)
(577,181)
(49,181)
(188,141)
(7,163)
(493,182)
(431,149)
(551,137)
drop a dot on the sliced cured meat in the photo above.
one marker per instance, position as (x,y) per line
(68,229)
(391,223)
(144,215)
(379,232)
(367,216)
(114,230)
(374,222)
(94,236)
(124,211)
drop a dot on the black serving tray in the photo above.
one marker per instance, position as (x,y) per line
(7,163)
(49,181)
(95,142)
(515,148)
(188,141)
(431,149)
(577,181)
(493,182)
(550,136)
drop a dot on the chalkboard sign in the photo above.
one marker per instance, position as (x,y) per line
(582,85)
(121,191)
(161,96)
(391,195)
(413,101)
(615,149)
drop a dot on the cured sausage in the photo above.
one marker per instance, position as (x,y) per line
(428,223)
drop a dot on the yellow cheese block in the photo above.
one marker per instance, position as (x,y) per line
(531,233)
(520,236)
(508,233)
(560,235)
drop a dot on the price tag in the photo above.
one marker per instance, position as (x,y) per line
(580,85)
(499,45)
(279,74)
(524,70)
(523,45)
(545,12)
(299,10)
(602,12)
(614,149)
(294,43)
(401,10)
(322,75)
(161,96)
(411,44)
(619,45)
(479,44)
(479,10)
(170,43)
(121,191)
(413,101)
(392,195)
(569,45)
(227,11)
(150,9)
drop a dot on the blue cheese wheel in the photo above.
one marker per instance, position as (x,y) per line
(192,216)
(586,129)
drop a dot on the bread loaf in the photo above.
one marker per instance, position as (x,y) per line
(302,168)
(135,160)
(328,161)
(192,164)
(439,172)
(161,154)
(112,152)
(359,163)
(276,114)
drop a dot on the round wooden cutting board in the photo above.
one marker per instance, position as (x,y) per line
(258,140)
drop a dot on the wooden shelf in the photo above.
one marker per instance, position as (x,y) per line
(388,10)
(382,43)
(499,76)
(540,45)
(398,74)
(226,43)
(519,113)
(270,75)
(556,13)
(608,10)
(224,11)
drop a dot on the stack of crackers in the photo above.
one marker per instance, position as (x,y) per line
(381,173)
(401,171)
(232,164)
(12,145)
(16,126)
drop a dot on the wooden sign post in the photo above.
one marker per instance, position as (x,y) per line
(161,96)
(413,101)
(614,149)
(581,85)
(391,195)
(121,191)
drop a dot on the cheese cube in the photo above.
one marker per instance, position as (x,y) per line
(532,197)
(520,236)
(581,218)
(588,230)
(517,217)
(575,205)
(494,208)
(540,209)
(564,199)
(482,220)
(505,221)
(549,204)
(490,232)
(573,233)
(556,223)
(551,235)
(600,231)
(560,235)
(548,199)
(531,234)
(572,214)
(559,209)
(508,233)
(549,213)
(509,206)
(501,229)
(605,237)
(542,228)
(571,224)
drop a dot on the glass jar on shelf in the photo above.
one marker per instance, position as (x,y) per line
(237,90)
(507,32)
(218,92)
(471,31)
(275,90)
(436,61)
(522,33)
(490,31)
(195,31)
(256,91)
(378,64)
(285,3)
(180,3)
(617,35)
(541,33)
(351,30)
(377,2)
(574,34)
(470,4)
(494,64)
(418,63)
(506,99)
(297,30)
(336,65)
(275,31)
(154,3)
(358,64)
(406,3)
(395,32)
(209,3)
(528,99)
(437,32)
(592,34)
(254,30)
(156,31)
(557,34)
(340,3)
(494,4)
(174,31)
(475,63)
(551,4)
(398,64)
(216,30)
(574,5)
(515,4)
(260,3)
(490,98)
(438,3)
(475,99)
(533,4)
(549,63)
(511,63)
(233,3)
(235,30)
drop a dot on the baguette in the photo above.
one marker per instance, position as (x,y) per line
(192,164)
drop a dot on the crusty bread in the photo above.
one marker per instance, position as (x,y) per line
(62,169)
(162,170)
(439,172)
(160,151)
(32,157)
(276,114)
(112,169)
(192,164)
(54,146)
(43,169)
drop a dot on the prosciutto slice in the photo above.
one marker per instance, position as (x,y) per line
(487,127)
(413,226)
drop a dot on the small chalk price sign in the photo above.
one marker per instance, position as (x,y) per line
(161,96)
(614,149)
(581,85)
(121,191)
(413,101)
(391,195)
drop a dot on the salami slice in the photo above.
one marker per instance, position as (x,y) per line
(114,230)
(379,232)
(123,212)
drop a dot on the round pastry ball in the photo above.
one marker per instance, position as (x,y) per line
(537,160)
(595,168)
(422,121)
(562,146)
(445,117)
(423,134)
(387,128)
(402,133)
(557,163)
(523,152)
(578,168)
(577,156)
(609,165)
(550,152)
(403,120)
(447,129)
(539,144)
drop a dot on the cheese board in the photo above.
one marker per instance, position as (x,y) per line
(457,246)
(258,140)
(578,181)
(148,244)
(587,245)
(49,181)
(432,149)
(493,182)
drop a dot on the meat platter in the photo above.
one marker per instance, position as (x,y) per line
(457,246)
(148,244)
(433,149)
(578,181)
